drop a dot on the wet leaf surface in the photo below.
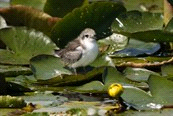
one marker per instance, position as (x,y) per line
(161,89)
(140,26)
(24,44)
(60,8)
(84,17)
(138,74)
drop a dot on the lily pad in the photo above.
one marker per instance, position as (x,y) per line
(14,70)
(51,70)
(24,44)
(138,48)
(138,74)
(137,97)
(161,89)
(98,15)
(167,70)
(59,8)
(46,67)
(111,75)
(143,26)
(39,4)
(94,86)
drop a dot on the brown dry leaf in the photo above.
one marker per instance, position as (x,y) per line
(19,15)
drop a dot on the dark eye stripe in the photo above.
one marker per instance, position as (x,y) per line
(86,36)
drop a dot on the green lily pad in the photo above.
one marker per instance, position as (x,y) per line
(143,26)
(138,48)
(138,74)
(14,70)
(137,97)
(93,86)
(50,70)
(102,60)
(46,67)
(145,5)
(59,8)
(98,15)
(167,70)
(161,89)
(24,44)
(111,75)
(39,4)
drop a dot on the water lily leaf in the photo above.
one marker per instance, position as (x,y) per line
(137,97)
(138,48)
(143,26)
(94,86)
(50,70)
(102,60)
(46,67)
(28,16)
(98,15)
(167,70)
(146,5)
(24,44)
(14,70)
(138,74)
(39,4)
(59,8)
(111,75)
(169,26)
(161,89)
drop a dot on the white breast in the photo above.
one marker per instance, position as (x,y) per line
(89,54)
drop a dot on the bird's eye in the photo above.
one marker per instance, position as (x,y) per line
(86,36)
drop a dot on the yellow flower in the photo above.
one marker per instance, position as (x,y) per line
(115,90)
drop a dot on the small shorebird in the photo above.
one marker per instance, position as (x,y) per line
(81,51)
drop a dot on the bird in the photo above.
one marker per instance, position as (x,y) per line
(81,51)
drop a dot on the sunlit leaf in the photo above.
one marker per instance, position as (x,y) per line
(161,89)
(138,74)
(98,16)
(137,97)
(167,70)
(50,70)
(46,67)
(143,26)
(14,70)
(145,5)
(94,86)
(39,4)
(24,44)
(111,75)
(138,48)
(59,8)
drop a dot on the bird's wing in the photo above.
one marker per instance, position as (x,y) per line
(71,56)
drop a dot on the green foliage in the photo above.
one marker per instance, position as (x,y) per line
(161,89)
(38,4)
(98,16)
(24,44)
(59,8)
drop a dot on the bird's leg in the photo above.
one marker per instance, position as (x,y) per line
(74,71)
